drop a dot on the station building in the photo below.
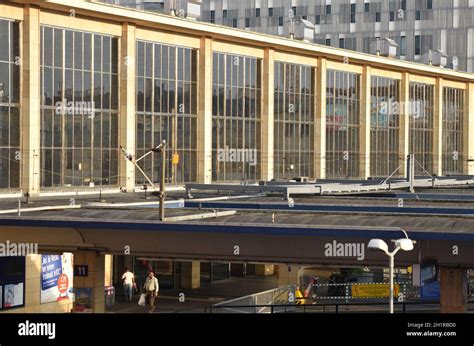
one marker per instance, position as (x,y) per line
(80,79)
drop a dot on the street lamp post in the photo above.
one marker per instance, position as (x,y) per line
(162,181)
(162,194)
(404,244)
(391,274)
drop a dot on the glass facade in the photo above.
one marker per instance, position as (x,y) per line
(166,110)
(421,126)
(453,118)
(342,124)
(236,108)
(384,127)
(9,105)
(294,121)
(79,108)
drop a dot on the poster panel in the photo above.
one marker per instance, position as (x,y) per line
(56,277)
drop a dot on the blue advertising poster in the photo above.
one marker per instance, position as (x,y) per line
(51,269)
(56,277)
(430,285)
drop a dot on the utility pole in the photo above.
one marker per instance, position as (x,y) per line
(162,193)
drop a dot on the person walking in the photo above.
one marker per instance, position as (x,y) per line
(151,288)
(128,283)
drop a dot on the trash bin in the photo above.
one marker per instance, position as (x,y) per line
(109,296)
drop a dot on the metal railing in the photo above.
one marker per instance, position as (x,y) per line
(340,307)
(278,298)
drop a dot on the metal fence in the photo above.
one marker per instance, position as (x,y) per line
(335,298)
(271,301)
(339,307)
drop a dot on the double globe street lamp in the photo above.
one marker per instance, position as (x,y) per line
(404,244)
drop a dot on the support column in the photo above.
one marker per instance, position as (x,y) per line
(320,120)
(109,270)
(364,149)
(30,115)
(33,284)
(453,290)
(267,114)
(127,104)
(204,127)
(289,275)
(95,279)
(438,128)
(468,135)
(191,274)
(404,110)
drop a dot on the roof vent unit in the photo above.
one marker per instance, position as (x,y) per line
(384,47)
(302,29)
(435,58)
(194,9)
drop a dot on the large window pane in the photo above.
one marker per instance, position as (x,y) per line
(70,132)
(421,126)
(10,108)
(236,142)
(168,105)
(453,135)
(293,145)
(342,124)
(384,127)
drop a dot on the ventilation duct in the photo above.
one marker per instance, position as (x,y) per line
(384,47)
(435,58)
(194,9)
(301,29)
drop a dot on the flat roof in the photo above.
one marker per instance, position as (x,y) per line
(254,220)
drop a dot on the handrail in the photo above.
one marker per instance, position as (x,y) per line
(324,305)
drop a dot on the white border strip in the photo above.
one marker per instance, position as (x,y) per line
(47,208)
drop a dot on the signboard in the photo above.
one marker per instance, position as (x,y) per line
(83,299)
(175,159)
(56,277)
(430,286)
(374,291)
(50,271)
(13,295)
(12,279)
(81,270)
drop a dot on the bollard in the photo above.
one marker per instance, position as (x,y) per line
(100,197)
